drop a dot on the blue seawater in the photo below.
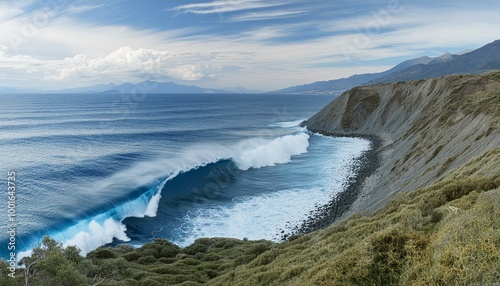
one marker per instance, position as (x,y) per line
(95,169)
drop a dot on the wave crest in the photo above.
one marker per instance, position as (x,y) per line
(95,231)
(277,151)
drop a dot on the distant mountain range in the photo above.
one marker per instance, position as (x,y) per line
(156,87)
(170,87)
(484,59)
(150,87)
(8,90)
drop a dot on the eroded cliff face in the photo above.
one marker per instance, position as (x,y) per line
(429,128)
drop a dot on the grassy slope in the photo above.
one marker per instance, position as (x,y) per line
(447,233)
(418,238)
(430,127)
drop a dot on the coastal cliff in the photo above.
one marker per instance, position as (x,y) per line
(429,215)
(429,127)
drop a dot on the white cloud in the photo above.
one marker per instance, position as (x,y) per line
(19,62)
(121,61)
(8,12)
(81,9)
(129,64)
(68,52)
(192,72)
(23,71)
(257,16)
(410,34)
(223,6)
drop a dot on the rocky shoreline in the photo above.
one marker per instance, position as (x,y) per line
(363,167)
(420,130)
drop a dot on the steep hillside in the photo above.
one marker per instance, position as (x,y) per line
(441,167)
(429,127)
(445,234)
(480,60)
(486,58)
(337,86)
(433,207)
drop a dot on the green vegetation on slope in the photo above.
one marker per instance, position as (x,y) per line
(445,234)
(361,101)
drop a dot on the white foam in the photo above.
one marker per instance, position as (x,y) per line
(277,151)
(101,229)
(89,234)
(287,124)
(248,153)
(98,235)
(153,205)
(260,217)
(264,216)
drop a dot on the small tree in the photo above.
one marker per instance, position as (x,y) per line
(51,264)
(38,254)
(5,279)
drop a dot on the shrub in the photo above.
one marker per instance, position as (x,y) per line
(258,248)
(123,248)
(200,245)
(101,253)
(146,260)
(132,256)
(388,253)
(169,251)
(266,258)
(150,282)
(167,260)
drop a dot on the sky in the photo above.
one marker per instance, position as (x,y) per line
(256,44)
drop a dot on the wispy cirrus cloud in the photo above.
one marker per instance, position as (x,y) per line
(258,44)
(81,9)
(258,16)
(223,6)
(8,12)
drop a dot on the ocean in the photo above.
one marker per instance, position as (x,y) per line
(99,169)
